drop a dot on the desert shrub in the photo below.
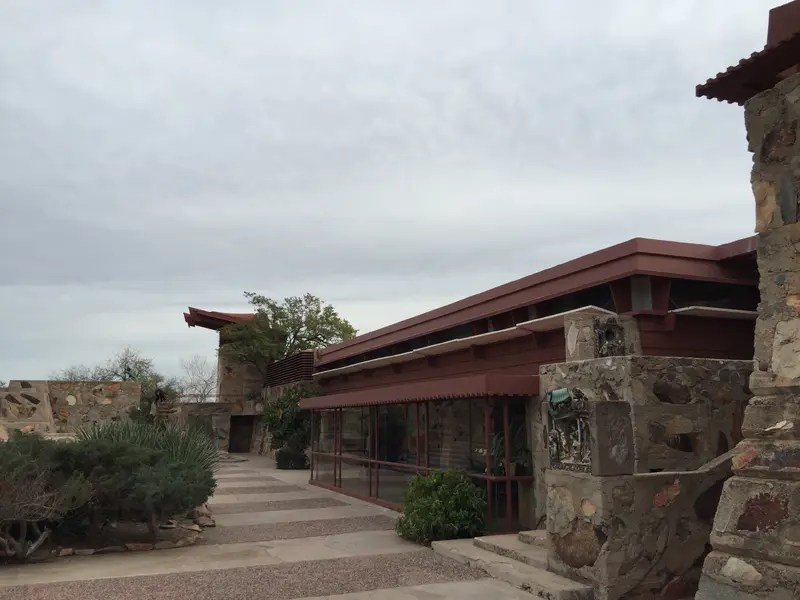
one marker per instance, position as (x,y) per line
(112,472)
(442,506)
(290,458)
(166,489)
(288,424)
(180,443)
(141,472)
(33,494)
(111,467)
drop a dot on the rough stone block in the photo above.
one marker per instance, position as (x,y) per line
(759,517)
(685,411)
(589,336)
(772,417)
(612,438)
(768,458)
(729,577)
(221,426)
(632,535)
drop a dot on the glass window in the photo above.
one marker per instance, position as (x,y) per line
(355,477)
(324,430)
(355,432)
(396,433)
(323,469)
(392,483)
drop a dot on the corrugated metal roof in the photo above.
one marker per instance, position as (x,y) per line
(472,386)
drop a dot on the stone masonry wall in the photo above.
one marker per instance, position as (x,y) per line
(680,411)
(637,537)
(590,336)
(25,405)
(81,403)
(216,418)
(53,407)
(238,382)
(756,536)
(685,411)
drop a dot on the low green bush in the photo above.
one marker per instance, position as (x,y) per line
(112,472)
(290,458)
(143,472)
(442,506)
(33,494)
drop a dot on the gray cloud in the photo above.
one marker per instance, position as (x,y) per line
(387,156)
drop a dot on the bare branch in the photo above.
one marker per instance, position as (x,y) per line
(199,381)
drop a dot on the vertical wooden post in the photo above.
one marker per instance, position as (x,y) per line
(417,432)
(509,474)
(371,410)
(338,460)
(487,429)
(313,418)
(334,413)
(377,450)
(427,433)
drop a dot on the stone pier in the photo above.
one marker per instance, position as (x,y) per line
(756,532)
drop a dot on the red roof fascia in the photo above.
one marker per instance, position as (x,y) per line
(472,386)
(637,256)
(736,249)
(210,319)
(762,70)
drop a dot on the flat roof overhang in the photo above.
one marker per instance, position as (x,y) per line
(764,69)
(471,386)
(211,319)
(549,323)
(639,256)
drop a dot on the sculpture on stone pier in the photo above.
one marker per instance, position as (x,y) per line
(568,431)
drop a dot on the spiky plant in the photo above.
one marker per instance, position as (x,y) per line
(180,443)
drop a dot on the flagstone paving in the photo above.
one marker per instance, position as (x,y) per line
(276,538)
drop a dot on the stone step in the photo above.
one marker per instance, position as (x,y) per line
(539,582)
(512,547)
(535,537)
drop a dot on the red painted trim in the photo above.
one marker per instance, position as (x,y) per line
(417,468)
(211,319)
(637,256)
(357,496)
(470,386)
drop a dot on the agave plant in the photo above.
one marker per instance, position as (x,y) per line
(180,443)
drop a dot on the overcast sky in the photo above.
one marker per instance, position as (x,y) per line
(387,156)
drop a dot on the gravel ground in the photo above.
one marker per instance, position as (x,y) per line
(264,489)
(277,582)
(228,509)
(293,530)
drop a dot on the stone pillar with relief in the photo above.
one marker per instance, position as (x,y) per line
(756,534)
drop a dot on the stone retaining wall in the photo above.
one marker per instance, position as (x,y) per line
(60,407)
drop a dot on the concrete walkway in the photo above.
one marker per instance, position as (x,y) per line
(277,538)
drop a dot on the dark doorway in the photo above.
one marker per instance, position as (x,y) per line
(241,433)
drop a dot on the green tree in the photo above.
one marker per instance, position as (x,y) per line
(279,330)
